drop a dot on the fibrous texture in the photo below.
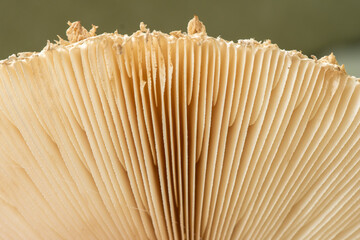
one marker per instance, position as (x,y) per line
(180,136)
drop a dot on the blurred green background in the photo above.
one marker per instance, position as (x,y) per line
(313,26)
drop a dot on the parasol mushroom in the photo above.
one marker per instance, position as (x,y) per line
(177,136)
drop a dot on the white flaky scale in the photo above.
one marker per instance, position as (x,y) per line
(179,136)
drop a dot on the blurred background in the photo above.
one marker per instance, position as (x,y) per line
(312,26)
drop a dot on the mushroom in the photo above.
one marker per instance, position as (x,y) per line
(179,136)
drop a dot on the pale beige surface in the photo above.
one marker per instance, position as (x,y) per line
(178,136)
